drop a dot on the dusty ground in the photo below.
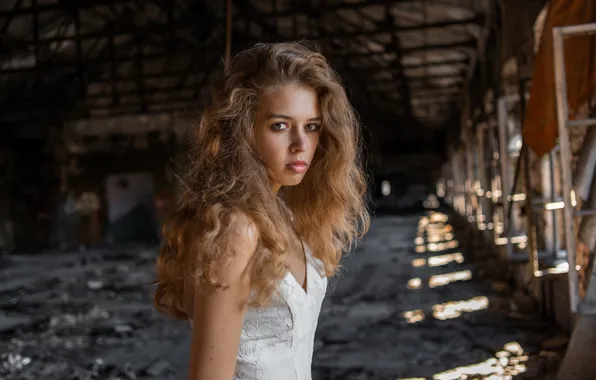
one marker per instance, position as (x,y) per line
(88,315)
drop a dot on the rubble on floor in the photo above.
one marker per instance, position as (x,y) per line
(408,304)
(84,315)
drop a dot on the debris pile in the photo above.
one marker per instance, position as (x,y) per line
(89,315)
(84,315)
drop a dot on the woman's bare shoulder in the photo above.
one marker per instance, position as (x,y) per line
(244,230)
(243,239)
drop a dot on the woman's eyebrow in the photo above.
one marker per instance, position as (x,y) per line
(278,116)
(285,117)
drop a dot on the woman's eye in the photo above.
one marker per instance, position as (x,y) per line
(313,127)
(279,126)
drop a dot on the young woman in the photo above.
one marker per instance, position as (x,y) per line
(272,199)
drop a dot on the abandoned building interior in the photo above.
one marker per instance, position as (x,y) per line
(478,123)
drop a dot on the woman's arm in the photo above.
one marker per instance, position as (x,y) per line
(218,315)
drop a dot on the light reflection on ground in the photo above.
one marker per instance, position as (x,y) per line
(447,278)
(507,362)
(503,366)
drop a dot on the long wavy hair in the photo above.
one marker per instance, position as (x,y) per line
(225,175)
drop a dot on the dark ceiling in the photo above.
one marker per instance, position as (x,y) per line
(404,62)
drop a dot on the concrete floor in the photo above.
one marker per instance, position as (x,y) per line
(89,316)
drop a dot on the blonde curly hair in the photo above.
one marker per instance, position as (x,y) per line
(225,176)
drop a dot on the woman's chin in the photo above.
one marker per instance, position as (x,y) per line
(292,180)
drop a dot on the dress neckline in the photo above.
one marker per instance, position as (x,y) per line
(307,274)
(290,278)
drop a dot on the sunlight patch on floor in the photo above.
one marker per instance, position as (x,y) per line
(414,316)
(439,260)
(415,283)
(436,235)
(448,278)
(506,364)
(454,309)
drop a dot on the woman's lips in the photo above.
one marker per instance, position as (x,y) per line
(297,167)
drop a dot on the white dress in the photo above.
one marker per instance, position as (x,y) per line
(276,342)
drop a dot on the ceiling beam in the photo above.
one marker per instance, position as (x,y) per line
(98,62)
(158,29)
(421,65)
(389,28)
(417,78)
(173,75)
(248,11)
(371,95)
(471,43)
(428,76)
(306,9)
(60,6)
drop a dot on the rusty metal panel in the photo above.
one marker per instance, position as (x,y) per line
(540,124)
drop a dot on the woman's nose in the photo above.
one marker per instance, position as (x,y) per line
(298,143)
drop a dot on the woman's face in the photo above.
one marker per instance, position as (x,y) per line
(288,127)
